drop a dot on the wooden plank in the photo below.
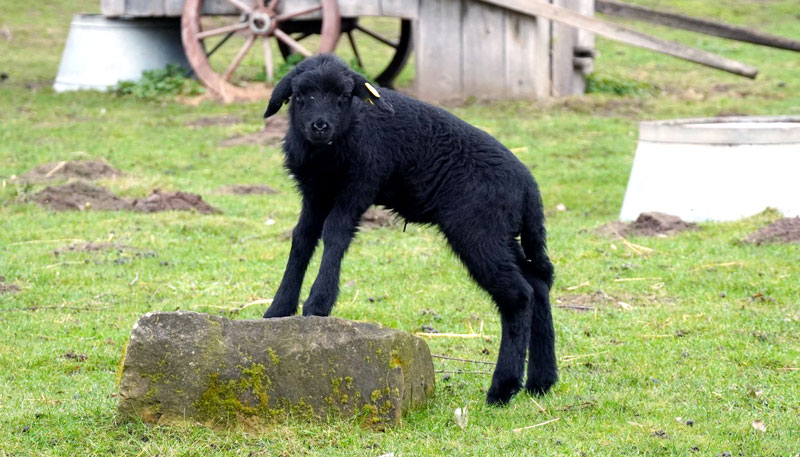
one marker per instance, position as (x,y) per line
(568,72)
(527,73)
(482,50)
(354,8)
(544,61)
(289,6)
(221,7)
(720,29)
(584,50)
(437,35)
(408,9)
(112,7)
(144,8)
(568,78)
(564,39)
(627,36)
(173,7)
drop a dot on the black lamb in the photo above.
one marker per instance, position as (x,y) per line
(350,146)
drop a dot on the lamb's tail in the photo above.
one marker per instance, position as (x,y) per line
(534,240)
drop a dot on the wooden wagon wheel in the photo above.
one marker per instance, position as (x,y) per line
(258,20)
(400,46)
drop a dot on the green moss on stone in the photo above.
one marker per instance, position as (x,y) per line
(121,364)
(224,401)
(273,356)
(221,400)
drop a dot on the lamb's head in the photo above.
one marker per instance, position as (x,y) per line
(321,90)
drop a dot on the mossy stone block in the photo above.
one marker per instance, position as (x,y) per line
(186,366)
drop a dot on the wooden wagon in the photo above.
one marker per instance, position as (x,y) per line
(462,48)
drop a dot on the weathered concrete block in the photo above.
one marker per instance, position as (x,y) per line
(183,366)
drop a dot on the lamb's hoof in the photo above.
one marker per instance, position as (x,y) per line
(317,305)
(308,312)
(539,387)
(277,312)
(500,394)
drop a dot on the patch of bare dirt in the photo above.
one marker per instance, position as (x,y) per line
(730,113)
(599,299)
(246,189)
(71,169)
(82,196)
(377,217)
(647,224)
(786,230)
(616,107)
(6,288)
(79,196)
(123,252)
(214,120)
(584,302)
(173,201)
(272,134)
(92,247)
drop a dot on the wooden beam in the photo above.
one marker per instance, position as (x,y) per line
(693,24)
(625,35)
(112,7)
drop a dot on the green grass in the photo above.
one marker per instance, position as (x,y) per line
(693,343)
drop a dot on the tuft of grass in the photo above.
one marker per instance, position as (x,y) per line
(597,83)
(161,82)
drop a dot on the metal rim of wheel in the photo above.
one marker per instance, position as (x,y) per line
(260,20)
(402,45)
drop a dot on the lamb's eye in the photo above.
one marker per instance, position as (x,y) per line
(298,99)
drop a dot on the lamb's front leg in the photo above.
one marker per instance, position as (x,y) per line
(338,231)
(304,241)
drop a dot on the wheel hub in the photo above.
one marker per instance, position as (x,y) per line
(259,22)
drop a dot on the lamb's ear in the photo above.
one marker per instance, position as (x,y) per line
(367,92)
(280,94)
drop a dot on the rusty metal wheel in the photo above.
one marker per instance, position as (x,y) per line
(257,20)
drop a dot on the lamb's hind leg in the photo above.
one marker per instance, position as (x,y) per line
(542,365)
(492,265)
(542,368)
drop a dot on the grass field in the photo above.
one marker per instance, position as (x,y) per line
(709,328)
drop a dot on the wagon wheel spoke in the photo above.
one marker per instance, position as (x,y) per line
(219,45)
(355,49)
(241,5)
(268,66)
(221,30)
(238,59)
(293,14)
(272,5)
(281,35)
(376,36)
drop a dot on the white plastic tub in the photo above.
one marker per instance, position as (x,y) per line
(102,51)
(716,168)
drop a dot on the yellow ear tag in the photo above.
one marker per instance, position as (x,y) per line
(369,100)
(372,90)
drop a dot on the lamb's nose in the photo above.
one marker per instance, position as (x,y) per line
(320,126)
